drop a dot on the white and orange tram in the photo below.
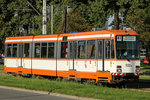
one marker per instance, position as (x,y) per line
(103,56)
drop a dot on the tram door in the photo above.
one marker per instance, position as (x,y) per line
(100,55)
(25,58)
(20,55)
(105,53)
(73,51)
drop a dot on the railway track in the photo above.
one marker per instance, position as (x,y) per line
(141,85)
(145,73)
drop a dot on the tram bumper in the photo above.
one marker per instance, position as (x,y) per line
(121,77)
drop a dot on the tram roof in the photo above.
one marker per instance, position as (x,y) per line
(114,32)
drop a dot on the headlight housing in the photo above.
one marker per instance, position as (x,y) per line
(119,70)
(137,70)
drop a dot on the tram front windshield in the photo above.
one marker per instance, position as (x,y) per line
(127,47)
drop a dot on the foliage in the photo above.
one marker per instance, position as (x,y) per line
(82,16)
(139,21)
(76,23)
(15,13)
(94,13)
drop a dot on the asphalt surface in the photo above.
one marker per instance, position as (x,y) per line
(14,94)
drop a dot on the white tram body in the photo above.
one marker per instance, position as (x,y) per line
(103,56)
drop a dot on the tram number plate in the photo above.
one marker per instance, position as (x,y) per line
(128,65)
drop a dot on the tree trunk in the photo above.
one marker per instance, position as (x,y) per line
(64,18)
(116,18)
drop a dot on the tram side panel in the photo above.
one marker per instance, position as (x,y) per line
(107,66)
(86,65)
(11,65)
(113,67)
(12,60)
(44,67)
(26,65)
(44,59)
(86,69)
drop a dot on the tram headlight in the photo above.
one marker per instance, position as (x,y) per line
(137,70)
(119,70)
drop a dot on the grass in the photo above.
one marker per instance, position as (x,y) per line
(144,77)
(1,69)
(73,88)
(145,68)
(1,66)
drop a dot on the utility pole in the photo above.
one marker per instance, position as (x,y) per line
(64,18)
(52,18)
(44,18)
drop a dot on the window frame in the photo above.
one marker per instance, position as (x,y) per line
(42,49)
(74,49)
(54,56)
(67,52)
(35,49)
(110,55)
(29,55)
(12,46)
(85,56)
(87,48)
(100,40)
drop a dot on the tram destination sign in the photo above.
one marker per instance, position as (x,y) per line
(129,38)
(126,38)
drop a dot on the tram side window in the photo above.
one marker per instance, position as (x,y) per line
(51,50)
(91,49)
(73,51)
(43,50)
(37,50)
(15,51)
(107,49)
(64,50)
(82,49)
(112,49)
(26,50)
(100,49)
(9,50)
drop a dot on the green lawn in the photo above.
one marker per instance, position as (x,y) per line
(144,77)
(1,66)
(1,69)
(145,68)
(73,88)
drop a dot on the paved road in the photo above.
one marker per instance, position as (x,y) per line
(12,94)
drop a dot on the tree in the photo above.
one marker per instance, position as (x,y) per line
(94,13)
(76,23)
(139,20)
(82,16)
(69,19)
(14,13)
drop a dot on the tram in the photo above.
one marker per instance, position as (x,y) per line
(103,56)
